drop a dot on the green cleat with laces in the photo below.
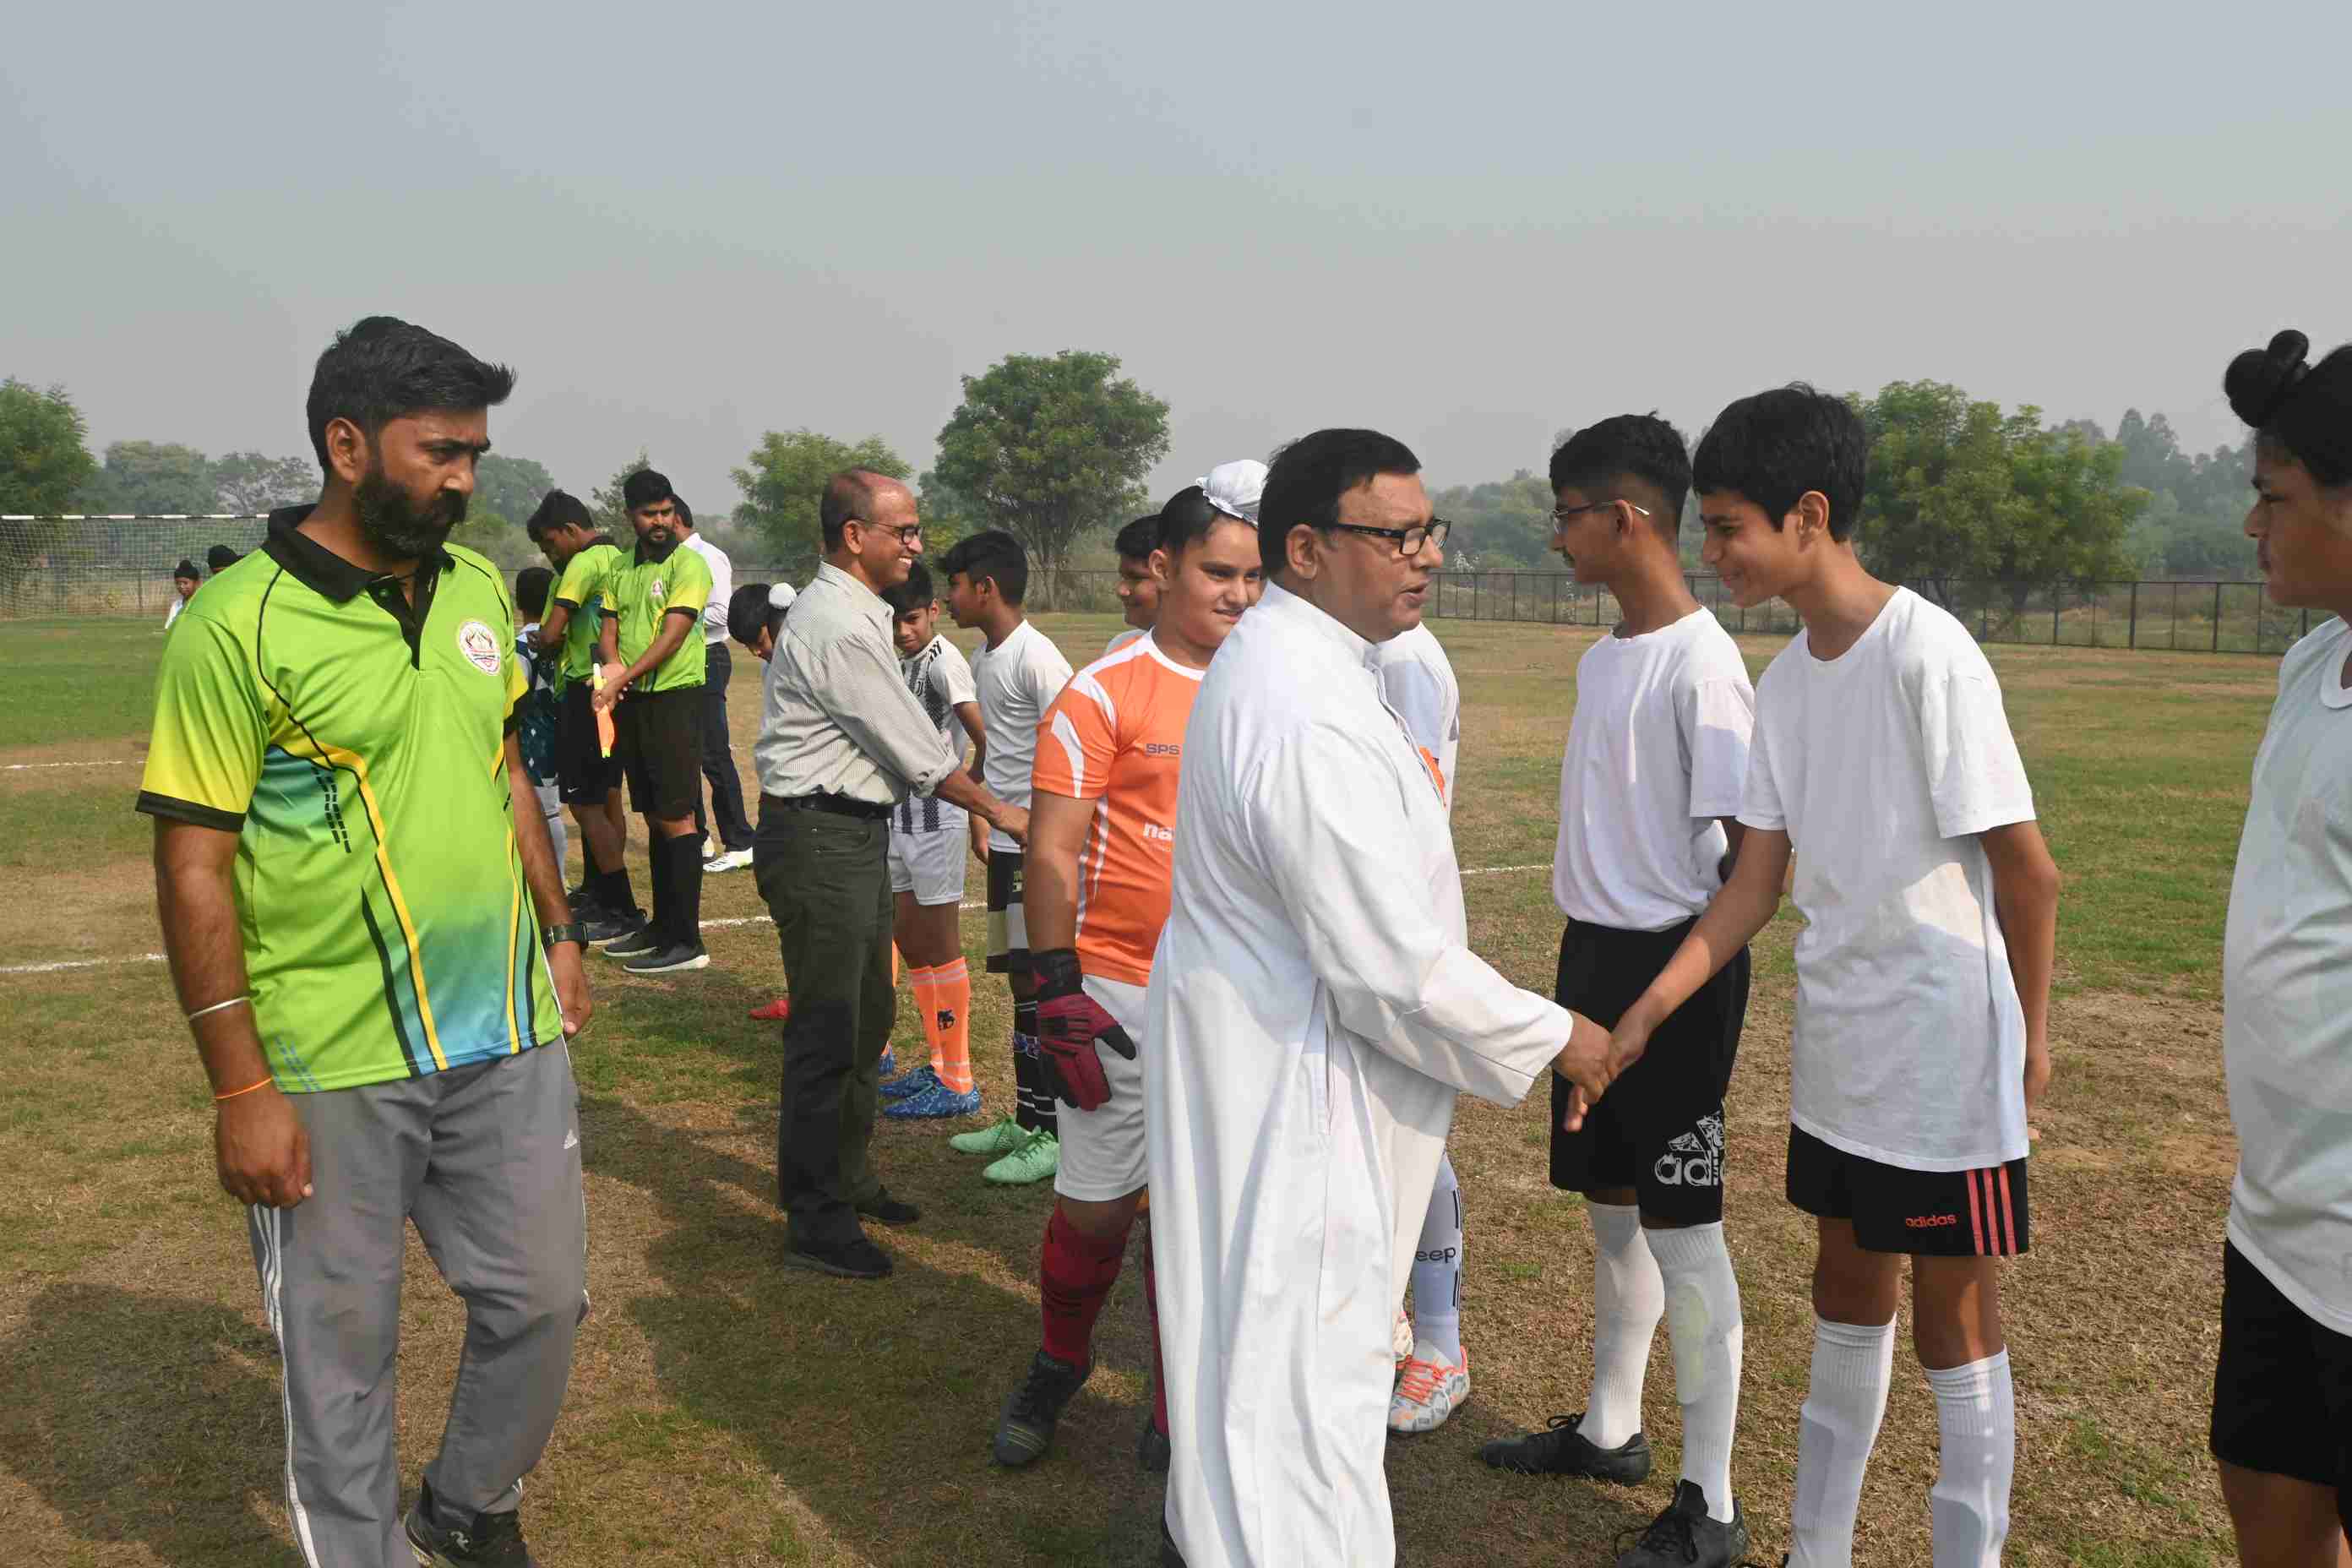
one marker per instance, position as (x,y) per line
(1039,1156)
(999,1137)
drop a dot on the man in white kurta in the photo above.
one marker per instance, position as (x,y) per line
(1314,1009)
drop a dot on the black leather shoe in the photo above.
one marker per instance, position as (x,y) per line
(856,1258)
(888,1210)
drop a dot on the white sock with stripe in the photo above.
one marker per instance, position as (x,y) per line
(1628,1297)
(1975,1414)
(1853,1365)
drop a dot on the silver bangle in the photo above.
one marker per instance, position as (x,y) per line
(218,1006)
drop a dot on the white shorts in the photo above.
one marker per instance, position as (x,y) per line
(1102,1150)
(929,864)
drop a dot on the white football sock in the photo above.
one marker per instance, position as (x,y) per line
(1705,1328)
(1852,1364)
(1437,1268)
(1628,1297)
(1976,1412)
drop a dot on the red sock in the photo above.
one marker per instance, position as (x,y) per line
(1151,1309)
(1074,1275)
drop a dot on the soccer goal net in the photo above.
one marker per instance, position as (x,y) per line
(78,566)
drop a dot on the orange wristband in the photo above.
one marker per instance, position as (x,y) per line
(248,1089)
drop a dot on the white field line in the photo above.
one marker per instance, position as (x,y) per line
(62,965)
(31,767)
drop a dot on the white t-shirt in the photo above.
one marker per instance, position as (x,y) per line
(1121,640)
(1883,765)
(2287,969)
(1018,680)
(1656,753)
(178,604)
(940,680)
(1417,681)
(722,586)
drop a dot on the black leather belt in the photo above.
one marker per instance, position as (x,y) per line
(839,804)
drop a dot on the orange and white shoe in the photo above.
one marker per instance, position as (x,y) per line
(1401,1341)
(1428,1390)
(775,1011)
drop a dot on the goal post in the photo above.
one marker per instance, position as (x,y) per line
(78,564)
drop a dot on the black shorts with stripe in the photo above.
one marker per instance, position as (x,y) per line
(1931,1214)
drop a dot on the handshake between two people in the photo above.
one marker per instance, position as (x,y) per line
(1595,1058)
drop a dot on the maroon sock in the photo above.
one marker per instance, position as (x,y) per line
(1151,1309)
(1074,1275)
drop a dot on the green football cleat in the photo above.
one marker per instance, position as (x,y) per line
(999,1137)
(1039,1156)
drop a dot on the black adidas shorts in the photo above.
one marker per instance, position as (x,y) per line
(584,774)
(1934,1214)
(2282,1388)
(1659,1130)
(658,741)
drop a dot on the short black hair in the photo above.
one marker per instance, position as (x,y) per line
(533,585)
(557,511)
(994,556)
(685,512)
(1307,478)
(914,593)
(1774,446)
(220,558)
(1641,448)
(848,497)
(1186,520)
(2307,409)
(1139,539)
(381,369)
(186,570)
(645,488)
(748,609)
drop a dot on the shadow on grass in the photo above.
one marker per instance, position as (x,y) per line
(150,1419)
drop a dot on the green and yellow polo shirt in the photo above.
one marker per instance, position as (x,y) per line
(647,590)
(581,590)
(356,746)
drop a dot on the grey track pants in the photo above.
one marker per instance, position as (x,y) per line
(485,1160)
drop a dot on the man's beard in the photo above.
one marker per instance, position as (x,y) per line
(395,525)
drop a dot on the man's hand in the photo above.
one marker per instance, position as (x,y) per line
(1012,821)
(979,840)
(1069,1026)
(571,987)
(262,1152)
(2037,1082)
(1584,1062)
(1629,1040)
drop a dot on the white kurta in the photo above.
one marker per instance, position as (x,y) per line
(1314,1007)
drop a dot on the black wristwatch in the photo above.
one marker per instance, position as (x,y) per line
(574,933)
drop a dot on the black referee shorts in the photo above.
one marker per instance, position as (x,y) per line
(584,774)
(1659,1130)
(659,745)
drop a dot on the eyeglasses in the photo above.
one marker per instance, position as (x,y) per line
(1408,541)
(1560,516)
(906,535)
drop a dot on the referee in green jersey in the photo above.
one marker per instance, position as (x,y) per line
(368,932)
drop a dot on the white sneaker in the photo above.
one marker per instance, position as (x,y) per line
(1401,1341)
(1429,1390)
(733,860)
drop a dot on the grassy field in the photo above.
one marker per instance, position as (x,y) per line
(725,1410)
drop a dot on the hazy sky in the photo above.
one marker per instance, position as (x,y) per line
(1469,224)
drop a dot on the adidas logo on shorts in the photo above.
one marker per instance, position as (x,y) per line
(1693,1159)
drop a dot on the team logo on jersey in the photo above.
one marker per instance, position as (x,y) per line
(1695,1159)
(479,645)
(657,592)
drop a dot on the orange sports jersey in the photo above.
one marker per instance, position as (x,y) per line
(1116,736)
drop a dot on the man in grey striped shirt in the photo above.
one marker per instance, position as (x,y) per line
(843,741)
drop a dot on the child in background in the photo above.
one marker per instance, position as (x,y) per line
(536,713)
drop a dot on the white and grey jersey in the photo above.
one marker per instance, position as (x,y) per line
(940,679)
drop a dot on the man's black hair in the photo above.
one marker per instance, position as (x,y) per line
(557,511)
(848,497)
(1774,446)
(383,369)
(993,555)
(647,487)
(1308,477)
(1139,539)
(220,558)
(533,585)
(748,610)
(186,570)
(2307,409)
(1642,449)
(685,512)
(914,593)
(1186,520)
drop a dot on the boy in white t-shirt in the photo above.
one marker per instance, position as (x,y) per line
(1650,789)
(927,865)
(2282,1427)
(1018,673)
(1883,759)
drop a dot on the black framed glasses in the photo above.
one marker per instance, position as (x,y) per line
(1561,515)
(906,535)
(1408,541)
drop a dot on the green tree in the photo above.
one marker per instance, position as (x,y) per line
(43,460)
(783,482)
(948,514)
(1501,524)
(1053,449)
(605,500)
(249,483)
(151,478)
(510,487)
